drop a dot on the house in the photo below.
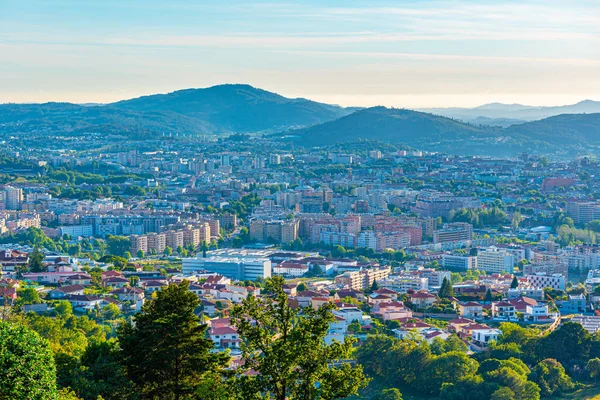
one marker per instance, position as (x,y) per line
(456,325)
(379,298)
(386,292)
(432,333)
(128,293)
(503,309)
(481,338)
(208,307)
(8,294)
(79,279)
(422,299)
(317,302)
(355,294)
(466,331)
(305,298)
(521,303)
(84,302)
(11,259)
(470,309)
(575,305)
(290,269)
(63,291)
(291,289)
(217,279)
(50,277)
(115,282)
(224,337)
(352,314)
(153,286)
(394,310)
(110,274)
(410,328)
(537,313)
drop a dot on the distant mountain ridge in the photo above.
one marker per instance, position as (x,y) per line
(517,112)
(215,110)
(235,108)
(436,133)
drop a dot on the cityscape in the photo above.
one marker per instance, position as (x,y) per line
(228,242)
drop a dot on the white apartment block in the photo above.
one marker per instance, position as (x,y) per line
(459,262)
(495,261)
(555,281)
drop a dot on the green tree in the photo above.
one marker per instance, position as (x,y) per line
(111,311)
(118,245)
(140,254)
(593,368)
(515,283)
(446,368)
(388,394)
(27,364)
(168,251)
(63,308)
(503,393)
(166,352)
(286,347)
(28,296)
(488,295)
(446,290)
(551,377)
(301,287)
(36,259)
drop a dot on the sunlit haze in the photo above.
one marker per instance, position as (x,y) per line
(402,54)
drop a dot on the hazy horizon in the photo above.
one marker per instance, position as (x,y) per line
(371,101)
(411,54)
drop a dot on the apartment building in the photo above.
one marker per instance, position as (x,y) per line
(363,279)
(459,262)
(453,232)
(274,230)
(495,261)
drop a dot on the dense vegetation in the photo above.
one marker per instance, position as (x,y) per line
(164,353)
(523,364)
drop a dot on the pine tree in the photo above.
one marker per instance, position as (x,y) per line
(446,290)
(515,283)
(488,295)
(166,352)
(35,261)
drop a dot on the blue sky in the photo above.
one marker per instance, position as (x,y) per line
(394,53)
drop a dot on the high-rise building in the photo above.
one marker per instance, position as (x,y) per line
(453,232)
(495,261)
(14,198)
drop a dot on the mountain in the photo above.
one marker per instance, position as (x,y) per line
(72,119)
(238,108)
(390,125)
(517,112)
(562,133)
(503,122)
(214,110)
(561,130)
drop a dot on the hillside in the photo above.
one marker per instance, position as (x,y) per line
(72,119)
(562,130)
(215,110)
(431,132)
(389,125)
(238,108)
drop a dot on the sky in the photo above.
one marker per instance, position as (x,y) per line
(402,53)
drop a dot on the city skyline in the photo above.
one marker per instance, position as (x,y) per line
(416,54)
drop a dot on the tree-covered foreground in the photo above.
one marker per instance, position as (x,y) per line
(164,352)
